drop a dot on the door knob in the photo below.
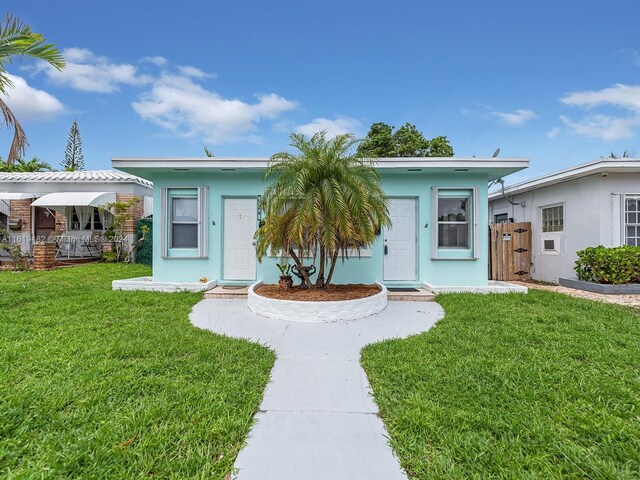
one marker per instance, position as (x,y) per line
(386,249)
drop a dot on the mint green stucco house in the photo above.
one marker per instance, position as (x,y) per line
(206,213)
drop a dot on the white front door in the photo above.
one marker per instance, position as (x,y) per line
(240,223)
(400,241)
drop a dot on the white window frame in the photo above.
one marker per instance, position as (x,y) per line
(172,220)
(453,253)
(201,252)
(69,220)
(625,223)
(556,236)
(547,207)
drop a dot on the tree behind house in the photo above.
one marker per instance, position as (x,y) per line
(73,157)
(20,165)
(406,141)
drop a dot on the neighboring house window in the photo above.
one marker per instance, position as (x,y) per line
(553,219)
(83,218)
(501,218)
(455,223)
(184,222)
(632,220)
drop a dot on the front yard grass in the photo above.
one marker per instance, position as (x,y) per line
(103,384)
(509,386)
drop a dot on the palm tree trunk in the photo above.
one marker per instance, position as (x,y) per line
(302,271)
(334,259)
(320,279)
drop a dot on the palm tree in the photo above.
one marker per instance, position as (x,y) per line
(20,165)
(33,165)
(17,41)
(324,201)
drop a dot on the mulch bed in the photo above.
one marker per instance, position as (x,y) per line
(334,293)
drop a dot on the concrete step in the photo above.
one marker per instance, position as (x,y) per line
(421,295)
(239,292)
(227,292)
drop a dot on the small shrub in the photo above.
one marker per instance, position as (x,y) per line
(20,259)
(109,257)
(122,213)
(144,255)
(611,265)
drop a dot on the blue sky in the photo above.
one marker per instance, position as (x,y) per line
(557,82)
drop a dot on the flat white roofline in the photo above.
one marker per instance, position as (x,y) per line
(263,162)
(613,165)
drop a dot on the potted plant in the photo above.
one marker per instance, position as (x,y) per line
(286,282)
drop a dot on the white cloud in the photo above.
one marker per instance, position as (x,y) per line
(606,126)
(29,103)
(194,72)
(553,133)
(619,95)
(156,60)
(185,108)
(172,97)
(91,73)
(517,118)
(334,127)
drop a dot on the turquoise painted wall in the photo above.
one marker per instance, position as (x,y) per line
(363,270)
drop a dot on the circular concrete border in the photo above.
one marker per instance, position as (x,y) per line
(316,312)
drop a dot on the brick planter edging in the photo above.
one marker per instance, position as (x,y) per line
(623,289)
(316,312)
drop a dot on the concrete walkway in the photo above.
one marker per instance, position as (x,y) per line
(317,419)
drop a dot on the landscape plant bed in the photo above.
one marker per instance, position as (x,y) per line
(333,293)
(604,288)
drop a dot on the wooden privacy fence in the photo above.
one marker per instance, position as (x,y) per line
(510,251)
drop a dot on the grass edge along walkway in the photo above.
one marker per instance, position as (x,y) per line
(102,384)
(511,386)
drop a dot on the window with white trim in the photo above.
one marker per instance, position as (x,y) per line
(454,223)
(454,214)
(83,218)
(552,218)
(184,222)
(632,220)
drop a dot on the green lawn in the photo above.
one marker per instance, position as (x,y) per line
(508,386)
(103,384)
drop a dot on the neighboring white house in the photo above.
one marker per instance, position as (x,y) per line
(34,205)
(597,203)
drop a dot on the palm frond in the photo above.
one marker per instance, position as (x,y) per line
(19,143)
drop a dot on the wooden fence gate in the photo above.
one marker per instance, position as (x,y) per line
(510,249)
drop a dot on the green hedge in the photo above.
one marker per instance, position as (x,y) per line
(144,255)
(612,265)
